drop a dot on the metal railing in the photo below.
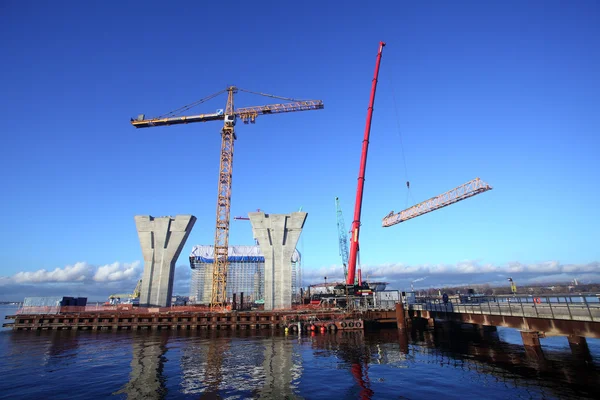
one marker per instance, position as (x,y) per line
(582,307)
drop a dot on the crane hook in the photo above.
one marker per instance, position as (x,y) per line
(407,184)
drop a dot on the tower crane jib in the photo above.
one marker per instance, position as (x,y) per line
(459,193)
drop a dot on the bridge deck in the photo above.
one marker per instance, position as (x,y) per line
(589,312)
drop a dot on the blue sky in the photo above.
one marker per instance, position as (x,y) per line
(503,90)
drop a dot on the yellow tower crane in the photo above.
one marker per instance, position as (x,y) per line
(229,116)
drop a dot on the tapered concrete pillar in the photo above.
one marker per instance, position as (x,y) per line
(277,235)
(162,239)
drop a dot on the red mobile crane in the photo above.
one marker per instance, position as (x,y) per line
(469,189)
(354,247)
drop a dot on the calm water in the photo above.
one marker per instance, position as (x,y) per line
(371,365)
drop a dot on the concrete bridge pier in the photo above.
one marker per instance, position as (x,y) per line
(579,347)
(277,236)
(162,239)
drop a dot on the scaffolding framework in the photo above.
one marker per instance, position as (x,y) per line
(245,274)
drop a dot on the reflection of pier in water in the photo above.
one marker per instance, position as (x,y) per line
(223,364)
(217,363)
(482,351)
(146,380)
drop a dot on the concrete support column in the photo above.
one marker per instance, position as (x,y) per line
(162,240)
(277,235)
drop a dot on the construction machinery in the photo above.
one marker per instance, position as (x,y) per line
(229,117)
(342,236)
(127,298)
(354,284)
(462,192)
(355,231)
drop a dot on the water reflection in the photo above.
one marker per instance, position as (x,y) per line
(560,372)
(146,380)
(280,370)
(222,364)
(58,349)
(246,364)
(352,348)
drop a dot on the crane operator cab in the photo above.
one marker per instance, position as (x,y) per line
(230,120)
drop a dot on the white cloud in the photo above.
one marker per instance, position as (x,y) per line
(78,272)
(465,272)
(83,279)
(117,272)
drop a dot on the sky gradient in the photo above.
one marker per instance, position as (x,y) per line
(507,91)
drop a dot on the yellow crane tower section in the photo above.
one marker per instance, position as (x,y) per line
(229,116)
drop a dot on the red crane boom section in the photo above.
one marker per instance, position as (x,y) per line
(361,176)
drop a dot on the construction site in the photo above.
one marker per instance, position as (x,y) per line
(245,275)
(244,287)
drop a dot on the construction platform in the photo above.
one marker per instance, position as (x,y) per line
(132,319)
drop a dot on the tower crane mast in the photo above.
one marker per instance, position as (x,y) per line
(342,236)
(229,116)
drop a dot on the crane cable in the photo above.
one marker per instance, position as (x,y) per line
(408,193)
(269,95)
(194,104)
(212,96)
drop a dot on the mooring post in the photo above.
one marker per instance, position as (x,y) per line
(400,320)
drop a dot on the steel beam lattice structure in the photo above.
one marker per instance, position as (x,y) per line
(219,294)
(464,191)
(342,237)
